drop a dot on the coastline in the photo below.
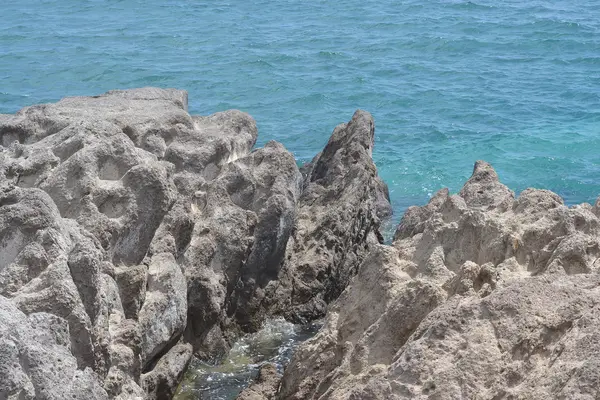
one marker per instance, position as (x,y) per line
(134,236)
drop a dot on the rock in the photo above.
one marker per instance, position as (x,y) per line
(133,235)
(88,183)
(479,296)
(264,386)
(532,339)
(483,190)
(163,316)
(132,282)
(152,234)
(241,224)
(366,326)
(414,219)
(276,218)
(161,382)
(36,360)
(36,273)
(337,223)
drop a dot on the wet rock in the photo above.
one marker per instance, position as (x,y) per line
(264,386)
(480,294)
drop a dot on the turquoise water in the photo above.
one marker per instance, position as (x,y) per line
(516,83)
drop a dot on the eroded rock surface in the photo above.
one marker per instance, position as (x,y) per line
(133,235)
(338,222)
(36,360)
(264,386)
(481,295)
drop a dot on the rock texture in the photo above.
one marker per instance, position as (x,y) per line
(338,222)
(264,386)
(36,360)
(481,296)
(133,235)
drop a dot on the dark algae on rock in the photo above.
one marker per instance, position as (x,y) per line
(134,235)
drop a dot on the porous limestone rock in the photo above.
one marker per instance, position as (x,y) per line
(264,386)
(87,186)
(338,222)
(161,382)
(235,229)
(163,315)
(147,234)
(36,360)
(482,295)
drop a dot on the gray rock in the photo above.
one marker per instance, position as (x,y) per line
(150,234)
(163,316)
(481,295)
(132,282)
(162,381)
(36,272)
(36,360)
(87,184)
(337,223)
(242,222)
(264,386)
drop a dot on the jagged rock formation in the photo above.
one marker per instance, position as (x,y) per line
(337,223)
(133,235)
(481,295)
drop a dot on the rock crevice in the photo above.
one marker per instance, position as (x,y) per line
(133,235)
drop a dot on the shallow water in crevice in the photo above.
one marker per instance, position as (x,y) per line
(274,343)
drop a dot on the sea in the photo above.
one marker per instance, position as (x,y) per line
(512,82)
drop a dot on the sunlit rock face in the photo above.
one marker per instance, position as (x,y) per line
(338,222)
(133,235)
(481,295)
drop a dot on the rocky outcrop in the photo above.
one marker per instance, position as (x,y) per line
(481,295)
(242,221)
(133,235)
(161,382)
(338,222)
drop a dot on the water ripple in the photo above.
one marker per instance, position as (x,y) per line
(448,81)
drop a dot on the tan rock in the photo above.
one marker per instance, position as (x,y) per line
(481,296)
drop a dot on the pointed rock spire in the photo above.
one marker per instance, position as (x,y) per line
(483,190)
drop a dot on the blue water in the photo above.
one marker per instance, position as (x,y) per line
(516,83)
